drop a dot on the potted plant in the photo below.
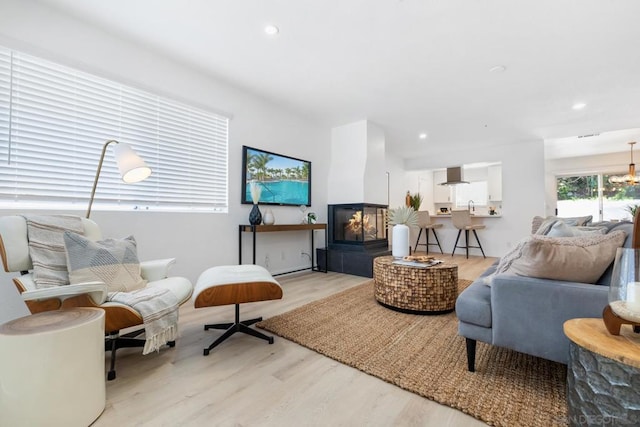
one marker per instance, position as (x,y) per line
(402,218)
(632,209)
(415,201)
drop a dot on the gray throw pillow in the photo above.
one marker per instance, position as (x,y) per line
(561,229)
(542,226)
(112,261)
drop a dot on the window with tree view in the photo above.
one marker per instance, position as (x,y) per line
(595,195)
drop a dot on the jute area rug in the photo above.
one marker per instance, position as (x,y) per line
(425,355)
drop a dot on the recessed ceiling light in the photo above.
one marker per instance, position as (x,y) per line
(271,30)
(423,135)
(498,69)
(579,106)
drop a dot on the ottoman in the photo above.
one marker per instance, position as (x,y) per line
(235,284)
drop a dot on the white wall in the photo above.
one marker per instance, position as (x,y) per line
(523,190)
(198,240)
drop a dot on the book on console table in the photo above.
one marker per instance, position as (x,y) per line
(417,264)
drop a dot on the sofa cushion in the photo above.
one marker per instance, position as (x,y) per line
(577,259)
(112,261)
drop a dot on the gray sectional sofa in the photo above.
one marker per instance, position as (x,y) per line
(527,314)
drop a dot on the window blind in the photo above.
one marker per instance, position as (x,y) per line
(54,121)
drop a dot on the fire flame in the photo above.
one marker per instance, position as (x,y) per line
(358,222)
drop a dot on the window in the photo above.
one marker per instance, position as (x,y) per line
(55,120)
(476,191)
(593,195)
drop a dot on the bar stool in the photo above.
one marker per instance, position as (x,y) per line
(462,221)
(424,222)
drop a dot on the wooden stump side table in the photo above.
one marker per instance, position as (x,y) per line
(430,290)
(52,368)
(603,375)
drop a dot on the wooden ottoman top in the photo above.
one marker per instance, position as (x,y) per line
(235,284)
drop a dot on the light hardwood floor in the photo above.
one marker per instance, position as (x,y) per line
(247,382)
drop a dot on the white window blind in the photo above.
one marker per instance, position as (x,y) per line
(54,121)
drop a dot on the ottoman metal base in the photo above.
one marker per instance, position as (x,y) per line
(232,328)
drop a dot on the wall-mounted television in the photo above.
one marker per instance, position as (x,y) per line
(283,180)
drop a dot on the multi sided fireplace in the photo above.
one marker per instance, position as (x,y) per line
(357,226)
(357,233)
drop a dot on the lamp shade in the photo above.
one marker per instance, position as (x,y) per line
(132,168)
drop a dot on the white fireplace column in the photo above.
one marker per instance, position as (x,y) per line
(357,173)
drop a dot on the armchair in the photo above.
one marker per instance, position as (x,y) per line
(14,250)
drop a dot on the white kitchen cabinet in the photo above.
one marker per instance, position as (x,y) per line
(441,193)
(494,183)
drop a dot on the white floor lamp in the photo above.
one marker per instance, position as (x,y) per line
(131,166)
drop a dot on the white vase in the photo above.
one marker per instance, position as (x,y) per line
(268,217)
(400,241)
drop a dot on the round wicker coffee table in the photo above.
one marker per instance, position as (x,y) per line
(431,290)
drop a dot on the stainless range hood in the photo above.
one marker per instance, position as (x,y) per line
(454,176)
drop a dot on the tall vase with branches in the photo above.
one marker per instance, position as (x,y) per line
(402,218)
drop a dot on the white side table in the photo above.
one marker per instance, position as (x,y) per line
(52,368)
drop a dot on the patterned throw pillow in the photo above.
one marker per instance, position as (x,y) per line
(504,264)
(46,247)
(112,261)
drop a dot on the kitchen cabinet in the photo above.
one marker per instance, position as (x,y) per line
(441,193)
(494,183)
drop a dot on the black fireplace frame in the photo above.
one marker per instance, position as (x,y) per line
(351,245)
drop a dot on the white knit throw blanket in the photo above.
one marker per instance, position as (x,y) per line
(159,310)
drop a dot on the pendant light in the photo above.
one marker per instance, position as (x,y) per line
(630,178)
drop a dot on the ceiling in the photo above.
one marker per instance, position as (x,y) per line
(410,66)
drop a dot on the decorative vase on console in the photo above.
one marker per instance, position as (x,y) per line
(255,216)
(303,209)
(402,219)
(268,218)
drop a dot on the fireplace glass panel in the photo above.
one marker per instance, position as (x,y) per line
(359,223)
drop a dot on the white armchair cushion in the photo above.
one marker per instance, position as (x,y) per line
(157,269)
(112,261)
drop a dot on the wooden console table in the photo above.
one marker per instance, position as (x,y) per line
(254,229)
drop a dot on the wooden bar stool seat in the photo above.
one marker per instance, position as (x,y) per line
(425,223)
(462,221)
